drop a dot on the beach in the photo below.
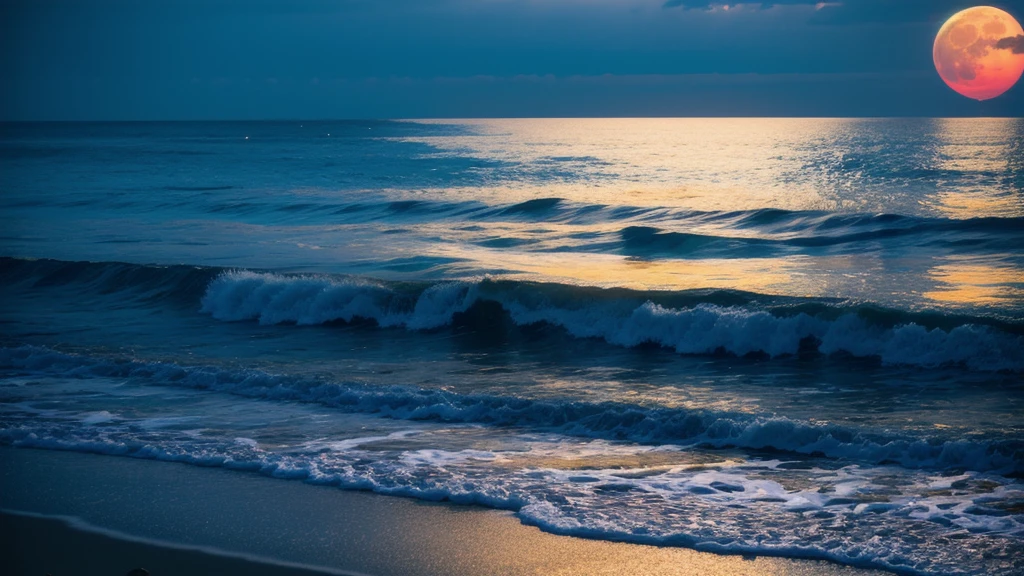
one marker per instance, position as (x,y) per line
(579,346)
(86,515)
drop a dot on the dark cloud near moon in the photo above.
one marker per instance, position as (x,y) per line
(1012,43)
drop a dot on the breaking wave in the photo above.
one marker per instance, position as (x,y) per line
(622,318)
(605,420)
(688,322)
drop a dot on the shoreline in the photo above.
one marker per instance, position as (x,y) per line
(212,517)
(28,537)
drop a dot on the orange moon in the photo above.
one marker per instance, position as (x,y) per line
(979,52)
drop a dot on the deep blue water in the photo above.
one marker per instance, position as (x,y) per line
(794,337)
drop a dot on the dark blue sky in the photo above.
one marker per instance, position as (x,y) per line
(256,59)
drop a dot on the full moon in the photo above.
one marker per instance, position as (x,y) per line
(979,52)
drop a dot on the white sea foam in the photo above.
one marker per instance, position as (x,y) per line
(101,417)
(883,517)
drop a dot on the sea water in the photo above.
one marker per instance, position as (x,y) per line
(770,336)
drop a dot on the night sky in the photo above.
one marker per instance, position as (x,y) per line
(275,59)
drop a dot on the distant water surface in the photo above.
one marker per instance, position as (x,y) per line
(791,337)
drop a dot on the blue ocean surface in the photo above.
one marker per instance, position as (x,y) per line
(773,336)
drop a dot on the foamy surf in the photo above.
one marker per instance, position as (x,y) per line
(597,471)
(612,421)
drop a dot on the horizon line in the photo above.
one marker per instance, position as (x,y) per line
(465,118)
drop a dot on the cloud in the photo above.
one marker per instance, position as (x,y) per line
(1012,43)
(839,12)
(705,5)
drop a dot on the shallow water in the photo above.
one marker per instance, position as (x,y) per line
(794,337)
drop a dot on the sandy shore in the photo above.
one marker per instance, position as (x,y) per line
(101,515)
(40,545)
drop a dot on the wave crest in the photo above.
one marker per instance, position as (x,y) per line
(628,320)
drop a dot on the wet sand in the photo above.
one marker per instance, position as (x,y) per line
(102,515)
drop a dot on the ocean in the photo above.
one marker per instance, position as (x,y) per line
(790,337)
